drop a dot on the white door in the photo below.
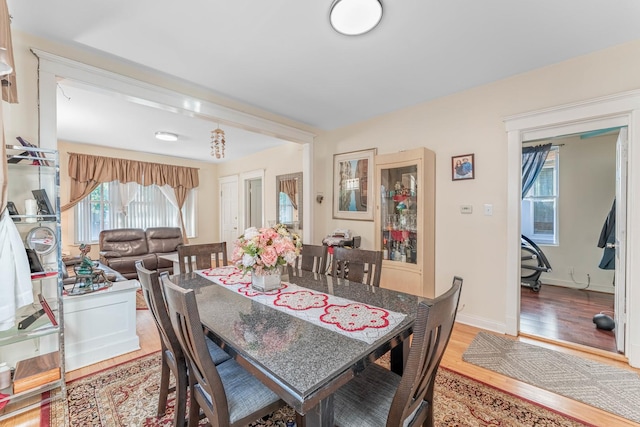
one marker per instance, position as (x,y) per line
(229,211)
(621,239)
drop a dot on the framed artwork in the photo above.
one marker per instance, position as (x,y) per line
(353,184)
(463,167)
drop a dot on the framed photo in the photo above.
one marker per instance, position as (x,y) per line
(353,184)
(463,167)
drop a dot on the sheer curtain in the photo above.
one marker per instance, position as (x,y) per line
(128,193)
(533,159)
(170,194)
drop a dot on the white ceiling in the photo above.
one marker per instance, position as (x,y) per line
(283,57)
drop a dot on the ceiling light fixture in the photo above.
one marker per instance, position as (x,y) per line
(355,17)
(217,143)
(166,136)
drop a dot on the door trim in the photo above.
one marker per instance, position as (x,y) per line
(610,111)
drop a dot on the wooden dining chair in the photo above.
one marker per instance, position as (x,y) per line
(357,265)
(378,397)
(313,258)
(205,255)
(227,393)
(173,359)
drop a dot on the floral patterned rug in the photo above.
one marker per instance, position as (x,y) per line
(126,395)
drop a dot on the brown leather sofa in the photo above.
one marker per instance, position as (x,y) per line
(121,248)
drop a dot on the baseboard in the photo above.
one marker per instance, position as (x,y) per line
(607,289)
(480,322)
(596,287)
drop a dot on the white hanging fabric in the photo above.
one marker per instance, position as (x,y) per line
(127,192)
(15,273)
(170,194)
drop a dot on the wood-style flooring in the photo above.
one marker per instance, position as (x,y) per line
(460,340)
(565,314)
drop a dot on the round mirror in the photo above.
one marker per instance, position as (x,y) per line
(42,240)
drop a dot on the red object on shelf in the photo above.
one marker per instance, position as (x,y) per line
(47,310)
(400,197)
(3,402)
(40,275)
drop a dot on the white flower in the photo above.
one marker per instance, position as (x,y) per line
(248,260)
(250,233)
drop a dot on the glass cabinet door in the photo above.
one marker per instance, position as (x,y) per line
(398,210)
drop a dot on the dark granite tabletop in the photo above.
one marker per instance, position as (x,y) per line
(301,361)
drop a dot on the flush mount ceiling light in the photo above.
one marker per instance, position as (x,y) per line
(355,17)
(166,136)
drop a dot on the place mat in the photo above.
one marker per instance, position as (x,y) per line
(606,387)
(350,318)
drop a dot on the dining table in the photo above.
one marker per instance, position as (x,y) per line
(308,338)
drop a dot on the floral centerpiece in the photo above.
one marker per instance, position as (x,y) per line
(264,251)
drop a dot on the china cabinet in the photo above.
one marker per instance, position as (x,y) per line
(405,220)
(33,348)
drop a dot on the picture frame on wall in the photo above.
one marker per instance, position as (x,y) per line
(353,195)
(463,167)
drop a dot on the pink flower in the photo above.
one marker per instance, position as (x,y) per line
(264,249)
(269,256)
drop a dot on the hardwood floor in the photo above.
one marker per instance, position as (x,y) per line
(460,340)
(564,314)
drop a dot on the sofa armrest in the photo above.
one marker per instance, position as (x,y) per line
(110,254)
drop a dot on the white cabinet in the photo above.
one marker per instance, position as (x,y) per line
(405,220)
(100,325)
(34,346)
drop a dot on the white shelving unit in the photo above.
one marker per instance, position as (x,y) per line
(36,169)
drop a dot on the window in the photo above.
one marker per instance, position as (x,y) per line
(100,210)
(286,209)
(540,204)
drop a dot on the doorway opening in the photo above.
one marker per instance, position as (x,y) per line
(563,213)
(253,202)
(618,110)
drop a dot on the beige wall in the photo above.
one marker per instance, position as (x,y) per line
(275,161)
(207,219)
(472,246)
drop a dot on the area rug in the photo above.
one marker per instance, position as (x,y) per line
(141,304)
(606,387)
(126,395)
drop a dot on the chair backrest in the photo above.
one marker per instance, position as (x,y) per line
(313,258)
(155,301)
(357,265)
(413,400)
(185,319)
(204,256)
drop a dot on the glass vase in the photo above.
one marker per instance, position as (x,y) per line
(268,281)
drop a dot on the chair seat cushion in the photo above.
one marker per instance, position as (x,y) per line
(366,399)
(245,393)
(218,355)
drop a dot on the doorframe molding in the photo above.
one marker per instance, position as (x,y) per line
(621,109)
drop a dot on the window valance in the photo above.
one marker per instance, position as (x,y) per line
(88,171)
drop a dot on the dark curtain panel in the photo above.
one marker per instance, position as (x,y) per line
(533,159)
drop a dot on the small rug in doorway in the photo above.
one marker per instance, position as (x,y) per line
(606,387)
(141,304)
(126,395)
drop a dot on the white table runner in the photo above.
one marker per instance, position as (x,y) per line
(353,319)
